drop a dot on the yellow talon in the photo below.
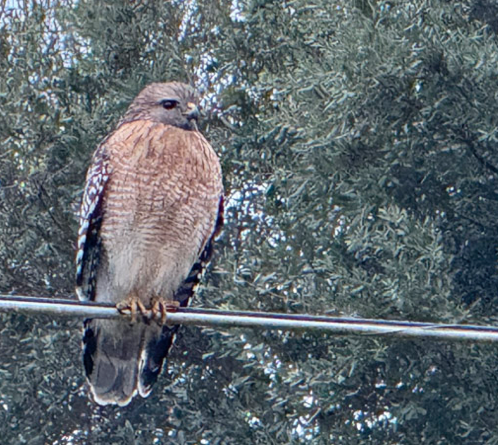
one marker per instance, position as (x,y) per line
(160,309)
(132,306)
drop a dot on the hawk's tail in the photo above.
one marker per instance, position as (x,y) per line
(122,359)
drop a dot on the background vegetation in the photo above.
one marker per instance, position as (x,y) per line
(359,148)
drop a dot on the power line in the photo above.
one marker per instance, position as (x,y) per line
(209,317)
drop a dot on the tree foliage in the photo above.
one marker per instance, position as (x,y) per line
(358,142)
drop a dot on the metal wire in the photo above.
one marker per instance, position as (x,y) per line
(207,317)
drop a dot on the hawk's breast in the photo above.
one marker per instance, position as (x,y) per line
(160,206)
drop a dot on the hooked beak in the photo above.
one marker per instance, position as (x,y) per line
(192,112)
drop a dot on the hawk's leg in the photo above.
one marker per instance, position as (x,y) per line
(132,306)
(160,309)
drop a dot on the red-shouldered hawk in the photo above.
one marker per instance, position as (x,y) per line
(152,204)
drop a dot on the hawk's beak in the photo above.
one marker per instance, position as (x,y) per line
(192,112)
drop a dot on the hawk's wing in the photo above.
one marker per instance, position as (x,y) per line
(89,242)
(187,289)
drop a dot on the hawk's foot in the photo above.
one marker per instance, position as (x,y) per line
(132,306)
(160,309)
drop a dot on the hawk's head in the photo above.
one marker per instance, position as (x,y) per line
(171,103)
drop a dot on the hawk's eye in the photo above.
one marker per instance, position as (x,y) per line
(169,104)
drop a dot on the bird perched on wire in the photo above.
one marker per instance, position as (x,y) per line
(152,204)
